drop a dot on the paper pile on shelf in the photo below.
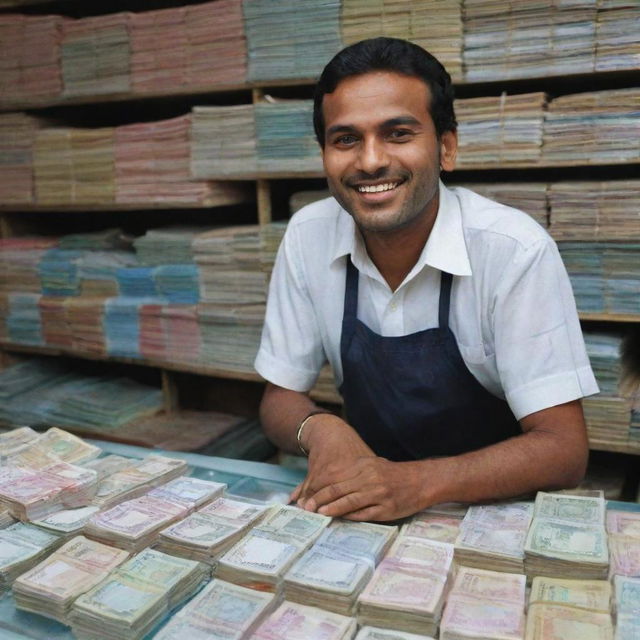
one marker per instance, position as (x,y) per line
(435,26)
(299,622)
(500,130)
(604,351)
(407,590)
(74,166)
(530,197)
(136,282)
(216,154)
(212,530)
(207,614)
(492,536)
(19,259)
(23,319)
(286,140)
(58,271)
(170,332)
(17,134)
(567,537)
(332,574)
(503,39)
(56,330)
(23,546)
(185,49)
(84,316)
(291,38)
(595,210)
(166,245)
(135,597)
(122,326)
(30,51)
(97,271)
(617,35)
(50,587)
(178,283)
(596,127)
(95,55)
(484,604)
(103,240)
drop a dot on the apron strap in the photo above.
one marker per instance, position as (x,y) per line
(446,280)
(349,317)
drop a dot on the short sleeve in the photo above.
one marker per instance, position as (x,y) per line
(291,352)
(540,353)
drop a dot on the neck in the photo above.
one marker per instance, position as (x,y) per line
(396,252)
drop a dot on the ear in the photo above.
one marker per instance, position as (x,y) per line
(448,150)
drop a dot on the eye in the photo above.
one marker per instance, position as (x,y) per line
(400,134)
(345,140)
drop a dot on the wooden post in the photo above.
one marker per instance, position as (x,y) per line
(263,187)
(169,392)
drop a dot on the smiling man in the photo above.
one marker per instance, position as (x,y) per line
(448,319)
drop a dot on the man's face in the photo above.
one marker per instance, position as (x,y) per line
(381,156)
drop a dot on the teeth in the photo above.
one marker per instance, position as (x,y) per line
(378,187)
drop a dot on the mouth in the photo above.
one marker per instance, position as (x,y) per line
(377,188)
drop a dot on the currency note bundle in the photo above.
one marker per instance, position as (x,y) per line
(134,524)
(334,571)
(432,526)
(131,600)
(627,602)
(295,621)
(212,530)
(561,622)
(50,587)
(6,518)
(567,537)
(109,464)
(484,604)
(22,546)
(67,447)
(407,590)
(377,633)
(192,493)
(220,610)
(625,556)
(263,556)
(492,536)
(593,595)
(13,441)
(67,523)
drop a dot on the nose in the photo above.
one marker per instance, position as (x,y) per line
(372,156)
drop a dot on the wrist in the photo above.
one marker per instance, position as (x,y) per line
(302,441)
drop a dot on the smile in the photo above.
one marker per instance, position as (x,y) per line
(377,188)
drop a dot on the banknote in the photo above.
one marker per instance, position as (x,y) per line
(573,509)
(191,492)
(549,621)
(625,556)
(505,542)
(68,447)
(626,523)
(198,529)
(627,627)
(234,510)
(159,569)
(432,526)
(426,554)
(361,539)
(586,594)
(505,515)
(259,551)
(295,523)
(489,585)
(376,633)
(627,594)
(67,520)
(13,440)
(576,542)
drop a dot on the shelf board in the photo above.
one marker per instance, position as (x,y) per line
(615,447)
(610,317)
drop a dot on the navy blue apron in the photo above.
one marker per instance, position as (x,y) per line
(412,397)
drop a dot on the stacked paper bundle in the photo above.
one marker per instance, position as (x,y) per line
(583,262)
(627,596)
(30,51)
(19,259)
(621,264)
(166,245)
(556,621)
(504,39)
(153,336)
(492,536)
(595,210)
(436,26)
(104,240)
(185,49)
(13,441)
(169,332)
(617,40)
(58,271)
(208,533)
(74,166)
(131,601)
(484,604)
(191,493)
(500,130)
(584,594)
(137,479)
(136,282)
(334,571)
(95,55)
(29,493)
(530,197)
(299,622)
(17,134)
(108,465)
(264,555)
(178,283)
(291,38)
(624,523)
(23,546)
(285,138)
(23,319)
(432,526)
(50,587)
(66,523)
(407,590)
(84,316)
(122,326)
(624,543)
(215,154)
(56,331)
(67,447)
(207,615)
(593,128)
(567,538)
(377,633)
(97,271)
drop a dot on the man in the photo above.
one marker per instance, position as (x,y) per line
(432,305)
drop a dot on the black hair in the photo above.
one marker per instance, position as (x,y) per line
(388,54)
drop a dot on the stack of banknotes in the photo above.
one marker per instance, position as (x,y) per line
(50,587)
(431,525)
(567,537)
(624,543)
(295,621)
(484,604)
(554,621)
(617,41)
(377,633)
(67,523)
(263,556)
(627,605)
(220,610)
(407,590)
(133,599)
(22,546)
(336,569)
(492,536)
(212,530)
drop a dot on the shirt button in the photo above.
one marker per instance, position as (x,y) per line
(394,306)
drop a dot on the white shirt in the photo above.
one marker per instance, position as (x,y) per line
(512,307)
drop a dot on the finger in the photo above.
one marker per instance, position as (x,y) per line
(349,503)
(295,494)
(373,513)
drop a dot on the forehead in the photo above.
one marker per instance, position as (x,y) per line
(375,97)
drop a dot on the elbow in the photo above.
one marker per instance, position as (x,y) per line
(573,467)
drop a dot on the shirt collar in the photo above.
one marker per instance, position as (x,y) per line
(445,250)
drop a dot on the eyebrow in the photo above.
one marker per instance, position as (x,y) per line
(387,124)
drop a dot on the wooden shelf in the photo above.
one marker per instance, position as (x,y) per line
(609,317)
(615,447)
